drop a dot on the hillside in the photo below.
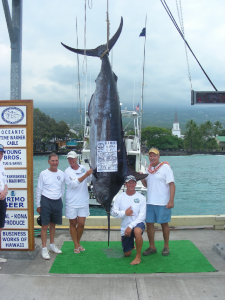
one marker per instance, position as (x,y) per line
(153,115)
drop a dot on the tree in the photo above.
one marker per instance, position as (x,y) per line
(201,137)
(191,137)
(160,138)
(46,128)
(218,127)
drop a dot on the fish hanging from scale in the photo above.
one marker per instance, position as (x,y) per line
(107,146)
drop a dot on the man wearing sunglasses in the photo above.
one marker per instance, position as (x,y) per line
(3,193)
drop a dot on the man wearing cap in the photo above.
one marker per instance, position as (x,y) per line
(131,207)
(160,199)
(49,195)
(3,193)
(77,198)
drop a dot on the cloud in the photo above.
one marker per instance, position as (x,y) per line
(50,72)
(62,74)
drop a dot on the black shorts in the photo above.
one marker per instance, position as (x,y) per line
(128,241)
(51,211)
(2,212)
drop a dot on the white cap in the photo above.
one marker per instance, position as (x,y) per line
(72,154)
(130,177)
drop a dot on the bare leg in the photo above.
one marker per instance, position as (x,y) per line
(80,228)
(44,229)
(73,232)
(151,235)
(139,243)
(166,234)
(52,232)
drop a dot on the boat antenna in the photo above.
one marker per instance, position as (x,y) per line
(78,81)
(143,33)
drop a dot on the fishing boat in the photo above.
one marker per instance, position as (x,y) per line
(133,149)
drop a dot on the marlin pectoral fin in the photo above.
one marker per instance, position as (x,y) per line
(137,175)
(101,49)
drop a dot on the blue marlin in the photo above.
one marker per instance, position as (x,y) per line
(106,126)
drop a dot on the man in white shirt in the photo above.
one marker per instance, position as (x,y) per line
(160,199)
(3,193)
(49,195)
(131,207)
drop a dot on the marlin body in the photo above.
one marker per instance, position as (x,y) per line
(106,124)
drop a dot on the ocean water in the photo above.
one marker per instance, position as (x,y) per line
(199,179)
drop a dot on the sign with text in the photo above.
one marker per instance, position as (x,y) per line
(16,178)
(13,115)
(16,199)
(13,137)
(107,156)
(201,97)
(16,135)
(15,158)
(16,219)
(16,239)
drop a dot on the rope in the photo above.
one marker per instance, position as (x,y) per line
(90,6)
(108,32)
(180,16)
(85,56)
(178,29)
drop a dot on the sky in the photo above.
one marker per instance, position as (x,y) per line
(50,72)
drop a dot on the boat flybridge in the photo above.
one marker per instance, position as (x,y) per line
(133,148)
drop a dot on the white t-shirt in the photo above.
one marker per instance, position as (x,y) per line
(122,203)
(51,185)
(2,177)
(158,189)
(76,192)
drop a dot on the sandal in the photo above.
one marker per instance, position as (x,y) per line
(76,251)
(81,248)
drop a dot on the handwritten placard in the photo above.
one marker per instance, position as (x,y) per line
(107,156)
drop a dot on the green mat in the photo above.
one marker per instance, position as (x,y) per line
(100,259)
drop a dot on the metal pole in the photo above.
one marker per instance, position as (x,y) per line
(14,25)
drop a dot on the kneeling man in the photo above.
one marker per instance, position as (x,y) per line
(131,207)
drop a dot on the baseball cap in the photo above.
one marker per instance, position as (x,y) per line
(2,148)
(72,154)
(154,150)
(130,177)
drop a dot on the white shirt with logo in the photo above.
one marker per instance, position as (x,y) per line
(2,177)
(137,202)
(77,194)
(158,189)
(51,185)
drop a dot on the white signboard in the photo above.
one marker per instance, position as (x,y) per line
(14,239)
(16,219)
(16,178)
(15,158)
(16,199)
(13,115)
(13,137)
(107,156)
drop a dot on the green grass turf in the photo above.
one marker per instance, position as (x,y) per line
(100,259)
